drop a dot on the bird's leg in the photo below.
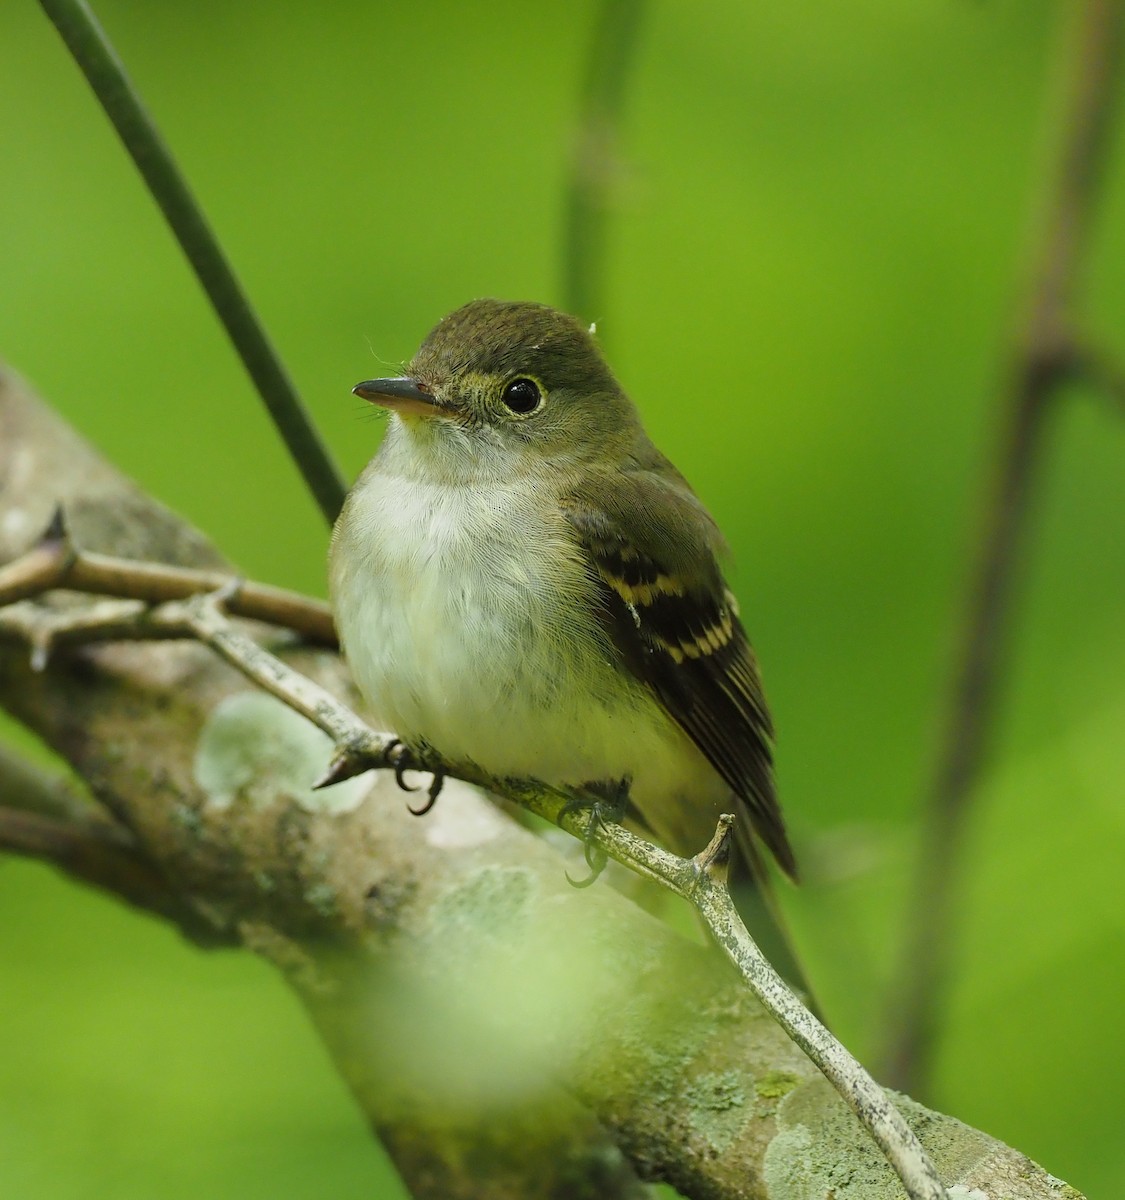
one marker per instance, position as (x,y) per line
(608,801)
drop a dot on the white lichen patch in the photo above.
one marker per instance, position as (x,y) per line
(820,1149)
(255,750)
(959,1192)
(15,523)
(459,826)
(715,1107)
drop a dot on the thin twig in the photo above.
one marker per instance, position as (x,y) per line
(55,562)
(594,165)
(105,73)
(701,881)
(28,787)
(1043,357)
(871,1104)
(104,855)
(100,854)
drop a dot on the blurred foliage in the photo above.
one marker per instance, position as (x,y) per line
(816,252)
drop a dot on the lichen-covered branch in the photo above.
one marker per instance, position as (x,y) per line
(471,998)
(696,881)
(699,881)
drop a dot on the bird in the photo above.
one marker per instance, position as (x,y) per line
(523,582)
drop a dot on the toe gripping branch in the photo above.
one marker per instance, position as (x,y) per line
(402,759)
(395,756)
(607,802)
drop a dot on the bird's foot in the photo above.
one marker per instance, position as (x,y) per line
(400,758)
(607,802)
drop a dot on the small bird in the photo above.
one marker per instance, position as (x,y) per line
(522,581)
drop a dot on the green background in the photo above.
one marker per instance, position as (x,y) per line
(816,251)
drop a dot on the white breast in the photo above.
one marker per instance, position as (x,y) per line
(465,614)
(453,608)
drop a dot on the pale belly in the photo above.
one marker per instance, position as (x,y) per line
(466,622)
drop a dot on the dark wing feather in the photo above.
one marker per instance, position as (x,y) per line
(677,627)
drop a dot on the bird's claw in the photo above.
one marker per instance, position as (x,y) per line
(607,803)
(400,758)
(436,784)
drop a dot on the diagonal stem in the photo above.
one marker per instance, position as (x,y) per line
(105,73)
(594,166)
(1044,356)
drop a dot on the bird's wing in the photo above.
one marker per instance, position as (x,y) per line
(676,625)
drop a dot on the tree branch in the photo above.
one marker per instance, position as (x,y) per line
(43,816)
(102,855)
(1045,354)
(358,748)
(27,787)
(55,562)
(422,949)
(161,734)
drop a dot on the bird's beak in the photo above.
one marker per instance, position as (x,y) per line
(402,395)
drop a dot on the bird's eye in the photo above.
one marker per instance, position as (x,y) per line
(522,396)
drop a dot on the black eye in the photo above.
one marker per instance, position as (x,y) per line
(522,396)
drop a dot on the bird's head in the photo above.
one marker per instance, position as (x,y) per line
(508,382)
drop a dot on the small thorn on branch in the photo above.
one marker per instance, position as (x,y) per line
(56,530)
(337,771)
(344,765)
(46,565)
(226,594)
(714,859)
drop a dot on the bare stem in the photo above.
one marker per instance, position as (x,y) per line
(871,1104)
(105,73)
(594,164)
(1043,356)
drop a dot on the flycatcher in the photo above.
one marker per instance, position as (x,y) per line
(521,580)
